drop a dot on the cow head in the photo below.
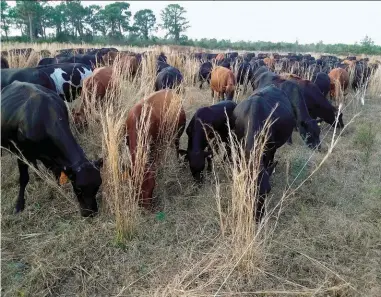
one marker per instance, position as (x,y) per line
(264,179)
(86,180)
(196,162)
(310,132)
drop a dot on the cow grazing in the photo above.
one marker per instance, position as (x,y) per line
(97,83)
(34,121)
(308,128)
(89,60)
(47,61)
(323,82)
(339,82)
(222,82)
(165,109)
(244,75)
(168,78)
(4,63)
(68,78)
(214,120)
(318,106)
(204,73)
(250,116)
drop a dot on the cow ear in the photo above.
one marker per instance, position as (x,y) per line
(98,163)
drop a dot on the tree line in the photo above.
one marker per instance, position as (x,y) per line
(114,24)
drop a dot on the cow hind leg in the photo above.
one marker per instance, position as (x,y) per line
(23,180)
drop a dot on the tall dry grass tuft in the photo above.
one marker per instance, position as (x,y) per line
(237,220)
(374,87)
(121,189)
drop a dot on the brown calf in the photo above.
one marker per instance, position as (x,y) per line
(163,108)
(222,81)
(339,82)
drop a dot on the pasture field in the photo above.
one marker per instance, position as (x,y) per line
(321,235)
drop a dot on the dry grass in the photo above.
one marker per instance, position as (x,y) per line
(320,237)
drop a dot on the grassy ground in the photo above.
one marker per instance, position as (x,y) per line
(321,239)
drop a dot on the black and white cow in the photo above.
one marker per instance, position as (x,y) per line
(64,79)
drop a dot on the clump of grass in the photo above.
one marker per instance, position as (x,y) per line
(365,138)
(374,88)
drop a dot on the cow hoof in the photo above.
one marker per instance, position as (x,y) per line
(18,210)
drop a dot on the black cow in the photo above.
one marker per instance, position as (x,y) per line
(4,63)
(319,106)
(250,116)
(248,56)
(204,73)
(47,61)
(64,79)
(262,55)
(162,58)
(256,63)
(34,121)
(224,63)
(232,56)
(89,60)
(160,66)
(244,75)
(323,82)
(361,75)
(197,56)
(213,119)
(308,128)
(168,78)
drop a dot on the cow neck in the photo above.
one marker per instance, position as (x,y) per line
(199,141)
(72,155)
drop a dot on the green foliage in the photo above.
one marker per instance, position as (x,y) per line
(365,139)
(5,18)
(174,21)
(144,23)
(72,22)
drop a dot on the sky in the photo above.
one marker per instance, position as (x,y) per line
(276,21)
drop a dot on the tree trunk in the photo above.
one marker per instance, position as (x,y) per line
(30,28)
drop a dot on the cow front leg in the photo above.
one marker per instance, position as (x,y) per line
(23,180)
(259,208)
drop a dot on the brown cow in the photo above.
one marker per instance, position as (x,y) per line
(97,83)
(220,57)
(128,62)
(222,81)
(94,88)
(164,108)
(269,62)
(339,82)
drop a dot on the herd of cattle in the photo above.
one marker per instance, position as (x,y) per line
(35,121)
